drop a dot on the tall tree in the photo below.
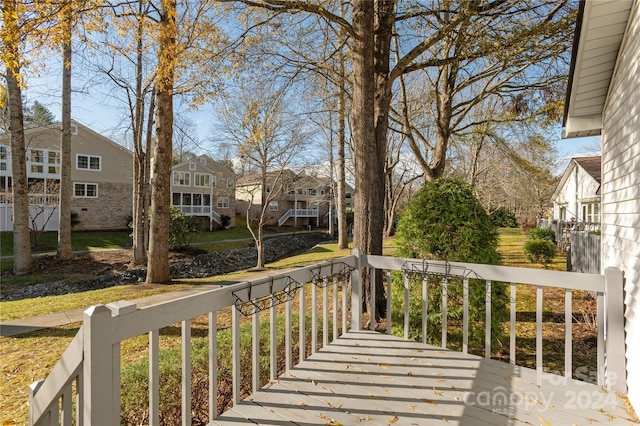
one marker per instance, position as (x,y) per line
(268,137)
(12,57)
(158,263)
(64,251)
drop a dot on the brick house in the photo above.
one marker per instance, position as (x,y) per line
(101,172)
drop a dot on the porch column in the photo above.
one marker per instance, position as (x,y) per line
(615,360)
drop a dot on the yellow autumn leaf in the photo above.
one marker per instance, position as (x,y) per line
(543,421)
(393,420)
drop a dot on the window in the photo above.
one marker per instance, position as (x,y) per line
(54,162)
(88,162)
(223,202)
(591,212)
(201,179)
(37,161)
(181,178)
(192,166)
(312,191)
(85,190)
(4,152)
(213,181)
(273,206)
(175,198)
(229,183)
(186,199)
(3,166)
(37,156)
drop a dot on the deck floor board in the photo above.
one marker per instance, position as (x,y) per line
(370,378)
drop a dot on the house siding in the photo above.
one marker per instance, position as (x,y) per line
(579,187)
(621,189)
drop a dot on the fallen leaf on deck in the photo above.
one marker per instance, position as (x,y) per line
(393,420)
(410,374)
(543,421)
(444,419)
(411,407)
(437,392)
(429,401)
(384,365)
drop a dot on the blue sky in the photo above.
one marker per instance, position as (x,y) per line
(95,106)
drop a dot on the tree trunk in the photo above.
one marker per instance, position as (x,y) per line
(22,260)
(158,263)
(64,230)
(369,141)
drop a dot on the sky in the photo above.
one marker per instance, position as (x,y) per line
(96,106)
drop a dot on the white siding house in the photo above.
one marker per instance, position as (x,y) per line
(604,98)
(577,196)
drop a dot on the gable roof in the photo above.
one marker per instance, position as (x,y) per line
(591,165)
(600,29)
(208,164)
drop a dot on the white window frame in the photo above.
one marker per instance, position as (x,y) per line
(213,181)
(274,206)
(184,180)
(89,158)
(196,180)
(55,164)
(229,182)
(85,186)
(222,202)
(192,166)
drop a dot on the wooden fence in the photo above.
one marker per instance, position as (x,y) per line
(584,253)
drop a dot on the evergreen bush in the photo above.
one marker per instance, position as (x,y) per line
(445,221)
(541,234)
(540,251)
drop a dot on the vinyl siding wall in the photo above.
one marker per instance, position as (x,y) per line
(621,189)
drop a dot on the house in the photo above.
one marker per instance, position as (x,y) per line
(577,196)
(603,98)
(101,172)
(204,188)
(293,199)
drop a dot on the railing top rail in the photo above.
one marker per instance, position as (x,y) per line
(65,370)
(510,274)
(164,314)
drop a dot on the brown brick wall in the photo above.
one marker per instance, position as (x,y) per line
(112,210)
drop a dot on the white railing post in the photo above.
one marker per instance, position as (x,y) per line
(98,378)
(615,372)
(356,292)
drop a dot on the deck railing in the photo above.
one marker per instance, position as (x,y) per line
(297,213)
(89,372)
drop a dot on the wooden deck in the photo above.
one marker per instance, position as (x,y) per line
(371,378)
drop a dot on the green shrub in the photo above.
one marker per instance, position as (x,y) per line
(540,251)
(503,218)
(541,234)
(182,229)
(226,220)
(445,221)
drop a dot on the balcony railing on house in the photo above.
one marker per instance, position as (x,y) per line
(88,376)
(297,213)
(201,211)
